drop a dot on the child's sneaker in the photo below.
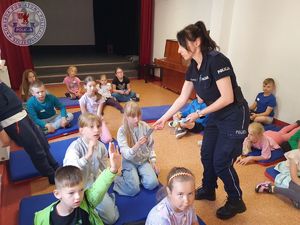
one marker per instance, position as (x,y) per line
(45,130)
(135,99)
(68,95)
(180,133)
(264,187)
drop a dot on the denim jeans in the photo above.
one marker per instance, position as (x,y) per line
(56,120)
(107,209)
(124,98)
(129,183)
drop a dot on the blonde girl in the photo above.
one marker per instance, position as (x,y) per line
(92,102)
(72,83)
(176,208)
(257,139)
(139,158)
(28,77)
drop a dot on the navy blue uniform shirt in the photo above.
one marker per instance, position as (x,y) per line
(214,66)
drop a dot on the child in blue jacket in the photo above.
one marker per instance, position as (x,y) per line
(182,126)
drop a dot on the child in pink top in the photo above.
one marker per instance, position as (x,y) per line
(257,139)
(92,102)
(73,83)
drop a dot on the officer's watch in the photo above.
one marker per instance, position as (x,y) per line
(200,115)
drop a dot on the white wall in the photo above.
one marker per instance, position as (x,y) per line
(69,22)
(170,16)
(265,43)
(261,38)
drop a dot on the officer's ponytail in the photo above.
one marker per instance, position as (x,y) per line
(194,31)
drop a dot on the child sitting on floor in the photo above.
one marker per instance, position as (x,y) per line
(90,155)
(258,140)
(76,205)
(72,83)
(42,109)
(182,125)
(92,102)
(29,76)
(121,87)
(262,110)
(139,158)
(287,182)
(105,90)
(177,206)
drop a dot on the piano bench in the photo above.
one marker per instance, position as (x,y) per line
(148,71)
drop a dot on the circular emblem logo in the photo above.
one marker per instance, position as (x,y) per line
(23,23)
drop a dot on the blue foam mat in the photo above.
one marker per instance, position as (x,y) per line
(65,131)
(271,173)
(21,167)
(276,155)
(152,113)
(131,208)
(69,103)
(272,127)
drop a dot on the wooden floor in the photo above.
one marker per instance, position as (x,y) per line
(262,209)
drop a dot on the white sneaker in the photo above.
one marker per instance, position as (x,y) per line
(199,143)
(180,133)
(173,124)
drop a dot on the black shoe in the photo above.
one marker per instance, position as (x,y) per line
(205,194)
(135,99)
(51,179)
(68,95)
(231,208)
(298,122)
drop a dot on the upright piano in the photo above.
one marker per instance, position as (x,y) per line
(173,67)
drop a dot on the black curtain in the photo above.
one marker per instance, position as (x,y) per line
(116,24)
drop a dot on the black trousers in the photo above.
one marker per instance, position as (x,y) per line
(27,135)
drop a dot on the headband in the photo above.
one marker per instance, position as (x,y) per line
(180,174)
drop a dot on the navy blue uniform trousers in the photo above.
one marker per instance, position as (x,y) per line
(222,144)
(27,135)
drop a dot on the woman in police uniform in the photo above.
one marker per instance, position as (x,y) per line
(211,75)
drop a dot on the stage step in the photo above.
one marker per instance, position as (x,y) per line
(56,73)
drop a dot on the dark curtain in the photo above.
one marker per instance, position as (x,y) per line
(146,31)
(116,25)
(17,58)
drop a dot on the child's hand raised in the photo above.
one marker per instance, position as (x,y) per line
(92,145)
(114,158)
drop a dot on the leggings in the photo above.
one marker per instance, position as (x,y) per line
(284,134)
(293,193)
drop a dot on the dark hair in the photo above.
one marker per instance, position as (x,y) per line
(90,79)
(118,68)
(68,176)
(194,31)
(176,174)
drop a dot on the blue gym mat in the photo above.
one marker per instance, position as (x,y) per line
(153,113)
(272,127)
(69,103)
(21,167)
(131,208)
(277,155)
(66,131)
(271,173)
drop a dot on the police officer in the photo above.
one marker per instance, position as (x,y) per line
(20,128)
(211,75)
